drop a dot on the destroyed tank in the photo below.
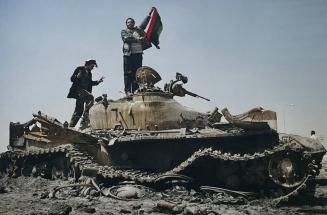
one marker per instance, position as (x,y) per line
(150,138)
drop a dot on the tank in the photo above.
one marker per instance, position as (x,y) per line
(150,138)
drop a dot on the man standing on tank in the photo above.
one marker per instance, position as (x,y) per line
(134,44)
(81,90)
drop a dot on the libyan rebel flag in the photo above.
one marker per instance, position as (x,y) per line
(155,28)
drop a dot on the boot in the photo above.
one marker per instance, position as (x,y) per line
(85,123)
(73,121)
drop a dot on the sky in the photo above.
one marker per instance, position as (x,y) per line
(240,54)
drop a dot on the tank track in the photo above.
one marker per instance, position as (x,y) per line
(81,163)
(280,194)
(216,154)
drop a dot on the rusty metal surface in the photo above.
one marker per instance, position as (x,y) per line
(146,76)
(148,136)
(146,111)
(256,118)
(45,132)
(82,163)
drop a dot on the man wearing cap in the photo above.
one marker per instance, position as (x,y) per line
(134,44)
(81,90)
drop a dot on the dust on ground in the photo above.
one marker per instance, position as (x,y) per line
(28,195)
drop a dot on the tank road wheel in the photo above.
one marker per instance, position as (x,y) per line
(41,169)
(128,192)
(75,173)
(3,165)
(14,169)
(59,168)
(287,169)
(9,169)
(27,169)
(174,177)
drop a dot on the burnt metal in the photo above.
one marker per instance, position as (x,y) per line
(150,138)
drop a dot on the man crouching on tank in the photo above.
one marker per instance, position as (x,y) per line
(81,90)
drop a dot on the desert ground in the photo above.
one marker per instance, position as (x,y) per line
(32,195)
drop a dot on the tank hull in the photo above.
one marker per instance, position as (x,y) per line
(230,157)
(161,153)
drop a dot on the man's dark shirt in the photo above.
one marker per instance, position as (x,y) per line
(83,82)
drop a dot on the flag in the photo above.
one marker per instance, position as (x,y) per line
(155,28)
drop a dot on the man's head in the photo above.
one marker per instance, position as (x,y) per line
(91,64)
(130,23)
(313,132)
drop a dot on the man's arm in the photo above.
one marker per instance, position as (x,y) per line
(127,37)
(94,83)
(76,75)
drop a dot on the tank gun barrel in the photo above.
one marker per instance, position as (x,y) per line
(176,87)
(196,95)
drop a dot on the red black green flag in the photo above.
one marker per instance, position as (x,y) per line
(155,28)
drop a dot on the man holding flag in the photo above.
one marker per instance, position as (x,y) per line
(136,40)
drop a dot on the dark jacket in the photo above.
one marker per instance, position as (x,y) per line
(82,79)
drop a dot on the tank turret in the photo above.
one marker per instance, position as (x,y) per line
(149,108)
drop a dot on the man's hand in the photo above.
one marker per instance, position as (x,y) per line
(101,79)
(137,34)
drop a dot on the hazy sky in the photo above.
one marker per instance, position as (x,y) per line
(240,54)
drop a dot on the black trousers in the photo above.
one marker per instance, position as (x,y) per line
(84,98)
(131,64)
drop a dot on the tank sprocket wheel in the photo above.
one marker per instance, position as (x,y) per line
(287,169)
